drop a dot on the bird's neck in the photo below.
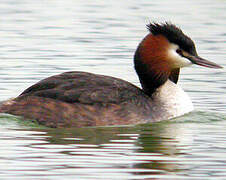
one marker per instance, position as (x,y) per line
(152,76)
(169,101)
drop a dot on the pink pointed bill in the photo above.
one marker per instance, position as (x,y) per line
(202,62)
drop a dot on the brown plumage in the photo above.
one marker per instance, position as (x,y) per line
(77,99)
(80,99)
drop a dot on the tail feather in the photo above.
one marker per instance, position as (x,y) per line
(51,113)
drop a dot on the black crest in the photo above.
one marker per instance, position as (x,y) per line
(174,35)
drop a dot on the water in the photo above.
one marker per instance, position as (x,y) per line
(43,38)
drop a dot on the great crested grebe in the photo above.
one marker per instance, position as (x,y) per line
(77,99)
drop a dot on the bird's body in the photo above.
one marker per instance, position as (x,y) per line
(77,99)
(86,99)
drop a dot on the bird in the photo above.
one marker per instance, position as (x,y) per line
(81,99)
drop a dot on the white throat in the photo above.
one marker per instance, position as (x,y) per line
(171,100)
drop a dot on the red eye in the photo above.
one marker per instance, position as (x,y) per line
(179,51)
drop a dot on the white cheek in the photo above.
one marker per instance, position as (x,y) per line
(177,60)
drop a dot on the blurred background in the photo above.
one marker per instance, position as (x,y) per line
(46,37)
(43,38)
